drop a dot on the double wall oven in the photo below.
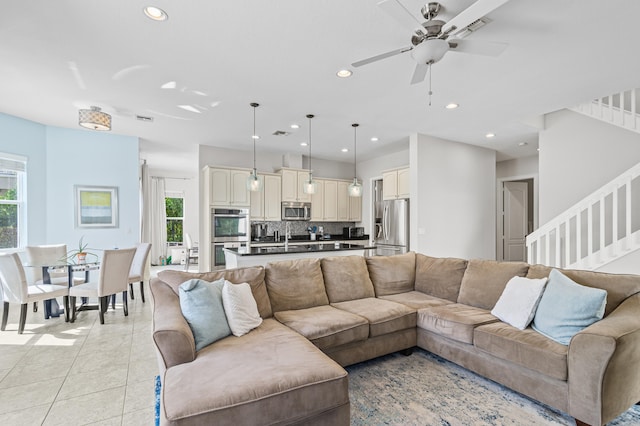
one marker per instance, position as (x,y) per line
(229,228)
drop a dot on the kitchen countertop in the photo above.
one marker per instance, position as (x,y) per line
(326,246)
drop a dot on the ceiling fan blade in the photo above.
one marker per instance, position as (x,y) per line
(401,14)
(477,47)
(419,73)
(381,56)
(474,12)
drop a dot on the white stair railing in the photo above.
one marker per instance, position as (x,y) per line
(620,109)
(602,227)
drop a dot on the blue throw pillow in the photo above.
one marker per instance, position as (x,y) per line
(567,307)
(201,305)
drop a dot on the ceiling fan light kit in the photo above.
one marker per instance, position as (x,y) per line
(254,182)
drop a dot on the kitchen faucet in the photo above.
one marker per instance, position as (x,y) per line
(287,235)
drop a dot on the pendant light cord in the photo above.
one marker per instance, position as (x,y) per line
(355,148)
(254,105)
(310,116)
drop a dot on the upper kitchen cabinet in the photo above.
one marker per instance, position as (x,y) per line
(330,205)
(343,201)
(355,209)
(317,202)
(395,184)
(292,185)
(228,187)
(265,204)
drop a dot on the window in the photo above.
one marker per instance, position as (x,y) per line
(175,219)
(12,201)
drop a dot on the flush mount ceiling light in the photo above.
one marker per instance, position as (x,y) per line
(452,105)
(310,185)
(254,182)
(94,119)
(344,73)
(355,188)
(155,13)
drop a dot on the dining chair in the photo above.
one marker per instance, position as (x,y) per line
(138,270)
(16,289)
(113,279)
(192,251)
(49,255)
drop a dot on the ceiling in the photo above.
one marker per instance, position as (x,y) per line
(59,56)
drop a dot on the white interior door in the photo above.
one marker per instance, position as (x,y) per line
(515,198)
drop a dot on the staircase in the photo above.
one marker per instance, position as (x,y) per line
(605,225)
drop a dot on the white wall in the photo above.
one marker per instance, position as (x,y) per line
(526,166)
(83,157)
(452,198)
(579,154)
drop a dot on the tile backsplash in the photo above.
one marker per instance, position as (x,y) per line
(300,227)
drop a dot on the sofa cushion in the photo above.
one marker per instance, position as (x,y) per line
(295,284)
(202,307)
(567,307)
(523,347)
(392,274)
(253,275)
(518,302)
(439,277)
(454,321)
(346,278)
(384,316)
(240,308)
(618,286)
(326,326)
(416,299)
(484,281)
(283,379)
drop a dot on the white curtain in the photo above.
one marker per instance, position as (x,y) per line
(154,219)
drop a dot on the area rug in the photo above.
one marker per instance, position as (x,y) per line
(424,389)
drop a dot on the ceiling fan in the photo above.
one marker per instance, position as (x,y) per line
(430,39)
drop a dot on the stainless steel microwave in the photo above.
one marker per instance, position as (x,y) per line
(296,211)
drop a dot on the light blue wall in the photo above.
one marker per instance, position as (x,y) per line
(58,159)
(27,138)
(84,157)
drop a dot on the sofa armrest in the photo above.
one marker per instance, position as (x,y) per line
(604,365)
(172,335)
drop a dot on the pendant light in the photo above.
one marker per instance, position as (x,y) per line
(355,189)
(310,185)
(254,182)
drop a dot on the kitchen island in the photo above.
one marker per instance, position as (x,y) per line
(253,256)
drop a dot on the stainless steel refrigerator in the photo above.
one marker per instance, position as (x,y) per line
(393,235)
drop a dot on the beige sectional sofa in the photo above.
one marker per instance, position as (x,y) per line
(320,315)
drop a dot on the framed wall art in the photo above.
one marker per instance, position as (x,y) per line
(96,206)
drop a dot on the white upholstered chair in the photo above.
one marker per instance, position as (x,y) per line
(49,255)
(191,253)
(139,268)
(113,279)
(15,289)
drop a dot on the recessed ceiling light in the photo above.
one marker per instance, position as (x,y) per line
(452,105)
(490,135)
(374,139)
(344,150)
(344,73)
(155,13)
(303,144)
(255,137)
(523,144)
(295,126)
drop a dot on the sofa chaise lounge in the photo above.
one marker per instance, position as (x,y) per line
(322,314)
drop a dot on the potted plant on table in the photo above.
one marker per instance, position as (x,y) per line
(81,253)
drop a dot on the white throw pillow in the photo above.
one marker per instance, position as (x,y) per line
(240,307)
(519,300)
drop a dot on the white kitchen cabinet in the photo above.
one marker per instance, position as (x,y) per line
(395,184)
(343,201)
(292,185)
(228,187)
(330,200)
(317,202)
(355,209)
(265,204)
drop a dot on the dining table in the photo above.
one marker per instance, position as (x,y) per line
(51,307)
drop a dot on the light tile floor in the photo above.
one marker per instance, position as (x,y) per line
(59,373)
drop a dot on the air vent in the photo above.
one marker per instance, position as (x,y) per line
(143,118)
(280,133)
